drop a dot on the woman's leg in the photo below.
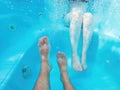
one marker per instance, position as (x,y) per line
(63,68)
(43,80)
(87,33)
(75,29)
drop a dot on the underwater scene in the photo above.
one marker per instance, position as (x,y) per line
(59,44)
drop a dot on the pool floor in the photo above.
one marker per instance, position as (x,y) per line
(94,78)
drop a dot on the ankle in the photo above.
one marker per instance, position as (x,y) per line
(63,70)
(74,53)
(44,57)
(83,63)
(64,75)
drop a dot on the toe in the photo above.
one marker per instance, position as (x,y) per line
(61,55)
(45,40)
(84,67)
(77,67)
(42,41)
(61,58)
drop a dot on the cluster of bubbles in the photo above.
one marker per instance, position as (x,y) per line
(56,9)
(107,14)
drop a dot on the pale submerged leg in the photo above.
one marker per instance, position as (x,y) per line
(87,33)
(75,29)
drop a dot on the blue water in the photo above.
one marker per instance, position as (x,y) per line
(23,22)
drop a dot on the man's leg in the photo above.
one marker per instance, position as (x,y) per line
(87,33)
(63,68)
(75,29)
(43,80)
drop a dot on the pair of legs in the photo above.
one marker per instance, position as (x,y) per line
(76,22)
(43,80)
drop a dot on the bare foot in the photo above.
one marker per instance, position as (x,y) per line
(62,61)
(43,80)
(43,46)
(76,63)
(63,66)
(44,50)
(84,65)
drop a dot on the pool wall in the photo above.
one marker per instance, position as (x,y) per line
(19,65)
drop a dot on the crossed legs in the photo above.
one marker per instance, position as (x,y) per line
(43,80)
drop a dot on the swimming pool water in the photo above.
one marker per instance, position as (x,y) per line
(24,22)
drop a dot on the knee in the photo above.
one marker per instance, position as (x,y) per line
(88,15)
(88,19)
